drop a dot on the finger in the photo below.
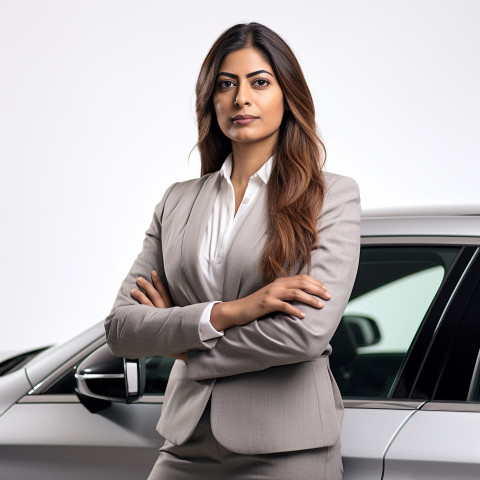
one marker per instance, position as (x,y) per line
(312,280)
(302,280)
(157,282)
(310,285)
(320,284)
(318,291)
(303,297)
(289,309)
(140,297)
(152,293)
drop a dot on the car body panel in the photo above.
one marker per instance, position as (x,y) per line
(12,388)
(117,426)
(436,445)
(119,443)
(366,433)
(421,226)
(41,462)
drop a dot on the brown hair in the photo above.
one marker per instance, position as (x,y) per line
(296,188)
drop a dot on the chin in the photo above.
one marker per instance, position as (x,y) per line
(245,138)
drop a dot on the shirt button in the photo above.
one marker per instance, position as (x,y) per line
(246,200)
(219,259)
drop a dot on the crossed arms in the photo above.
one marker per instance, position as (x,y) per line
(262,330)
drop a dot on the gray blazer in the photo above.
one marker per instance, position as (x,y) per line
(269,381)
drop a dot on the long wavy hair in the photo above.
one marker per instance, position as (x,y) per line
(296,188)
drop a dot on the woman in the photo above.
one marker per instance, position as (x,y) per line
(236,260)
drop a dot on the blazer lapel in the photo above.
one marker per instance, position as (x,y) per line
(244,253)
(194,232)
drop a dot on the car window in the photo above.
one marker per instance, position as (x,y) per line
(457,345)
(158,371)
(475,396)
(64,385)
(393,291)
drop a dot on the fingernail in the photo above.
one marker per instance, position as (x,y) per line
(132,291)
(327,294)
(302,315)
(140,279)
(320,304)
(154,273)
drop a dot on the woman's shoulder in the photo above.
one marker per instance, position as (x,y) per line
(189,187)
(183,193)
(336,181)
(340,191)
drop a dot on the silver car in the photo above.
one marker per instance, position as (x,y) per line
(405,356)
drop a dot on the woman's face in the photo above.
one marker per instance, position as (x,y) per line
(248,100)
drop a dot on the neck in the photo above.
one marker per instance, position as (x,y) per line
(248,158)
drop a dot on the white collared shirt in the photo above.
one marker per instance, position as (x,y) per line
(222,226)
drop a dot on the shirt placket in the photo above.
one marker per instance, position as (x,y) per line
(225,227)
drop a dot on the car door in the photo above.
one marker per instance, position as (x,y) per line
(441,441)
(401,290)
(48,434)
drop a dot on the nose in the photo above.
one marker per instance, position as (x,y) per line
(241,98)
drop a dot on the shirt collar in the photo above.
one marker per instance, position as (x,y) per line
(263,173)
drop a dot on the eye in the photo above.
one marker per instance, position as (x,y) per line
(261,82)
(225,84)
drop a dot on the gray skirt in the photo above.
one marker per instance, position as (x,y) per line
(202,457)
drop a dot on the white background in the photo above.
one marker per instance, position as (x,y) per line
(97,119)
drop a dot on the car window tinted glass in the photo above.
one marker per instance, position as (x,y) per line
(393,291)
(475,397)
(64,385)
(158,371)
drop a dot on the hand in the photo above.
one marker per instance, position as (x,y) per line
(274,297)
(155,295)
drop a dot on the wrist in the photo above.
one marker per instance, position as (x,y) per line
(221,316)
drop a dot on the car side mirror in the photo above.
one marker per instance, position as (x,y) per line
(363,329)
(103,378)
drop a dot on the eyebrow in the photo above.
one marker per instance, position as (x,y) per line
(232,75)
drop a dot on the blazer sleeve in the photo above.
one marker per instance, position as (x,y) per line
(282,339)
(134,330)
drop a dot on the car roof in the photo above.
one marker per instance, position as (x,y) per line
(423,210)
(446,221)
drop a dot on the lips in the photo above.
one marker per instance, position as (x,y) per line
(243,119)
